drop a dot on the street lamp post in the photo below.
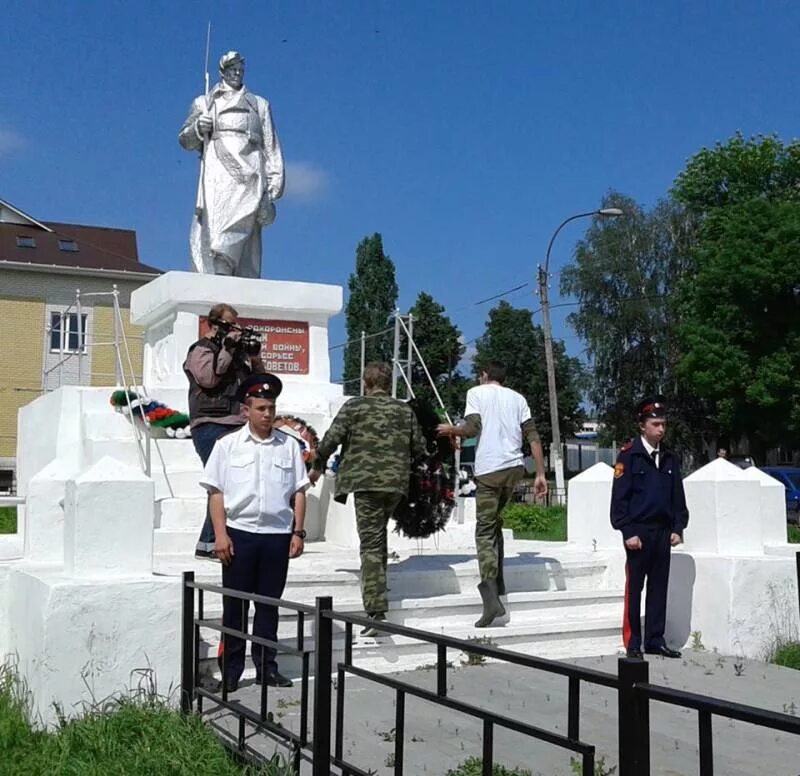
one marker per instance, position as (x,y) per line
(556,458)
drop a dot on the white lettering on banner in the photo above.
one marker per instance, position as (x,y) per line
(287,346)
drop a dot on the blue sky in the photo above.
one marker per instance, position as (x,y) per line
(464,132)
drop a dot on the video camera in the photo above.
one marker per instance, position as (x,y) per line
(249,341)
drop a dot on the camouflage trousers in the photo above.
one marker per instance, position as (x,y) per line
(373,510)
(494,491)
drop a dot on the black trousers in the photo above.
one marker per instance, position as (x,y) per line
(651,562)
(259,565)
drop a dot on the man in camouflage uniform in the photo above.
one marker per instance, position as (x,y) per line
(501,419)
(379,436)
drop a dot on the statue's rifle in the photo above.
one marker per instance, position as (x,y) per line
(200,203)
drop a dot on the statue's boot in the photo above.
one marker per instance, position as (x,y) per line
(492,606)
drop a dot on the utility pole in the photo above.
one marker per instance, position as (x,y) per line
(556,458)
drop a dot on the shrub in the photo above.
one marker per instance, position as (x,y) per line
(474,767)
(788,655)
(8,520)
(532,521)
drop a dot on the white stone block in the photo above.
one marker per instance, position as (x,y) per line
(108,521)
(773,506)
(44,525)
(724,511)
(169,308)
(588,509)
(79,641)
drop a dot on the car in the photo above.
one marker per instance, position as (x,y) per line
(789,477)
(742,461)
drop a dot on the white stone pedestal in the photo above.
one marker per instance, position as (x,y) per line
(588,509)
(295,318)
(108,522)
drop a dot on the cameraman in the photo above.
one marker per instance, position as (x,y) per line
(216,365)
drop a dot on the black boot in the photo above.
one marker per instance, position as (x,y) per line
(492,606)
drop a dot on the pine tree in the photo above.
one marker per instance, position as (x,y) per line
(372,300)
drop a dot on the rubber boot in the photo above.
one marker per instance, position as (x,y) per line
(492,606)
(501,582)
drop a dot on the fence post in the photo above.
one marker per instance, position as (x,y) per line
(323,666)
(634,719)
(187,643)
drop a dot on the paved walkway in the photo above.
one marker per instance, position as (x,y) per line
(437,739)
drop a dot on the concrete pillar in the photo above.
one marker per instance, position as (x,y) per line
(108,522)
(44,512)
(724,511)
(773,506)
(588,509)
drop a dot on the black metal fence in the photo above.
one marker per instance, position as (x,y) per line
(326,752)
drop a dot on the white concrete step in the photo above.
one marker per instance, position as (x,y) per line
(181,513)
(177,541)
(592,636)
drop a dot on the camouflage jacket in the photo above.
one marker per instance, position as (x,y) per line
(379,438)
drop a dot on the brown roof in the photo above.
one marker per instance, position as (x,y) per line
(99,247)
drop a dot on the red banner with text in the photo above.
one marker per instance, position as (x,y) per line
(284,344)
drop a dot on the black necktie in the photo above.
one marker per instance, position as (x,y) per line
(654,456)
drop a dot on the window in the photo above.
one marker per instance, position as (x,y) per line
(25,242)
(64,332)
(68,245)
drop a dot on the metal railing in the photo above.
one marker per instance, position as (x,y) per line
(124,372)
(634,692)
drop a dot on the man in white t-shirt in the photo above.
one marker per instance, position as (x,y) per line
(501,419)
(256,480)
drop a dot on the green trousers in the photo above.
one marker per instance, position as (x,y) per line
(493,493)
(373,510)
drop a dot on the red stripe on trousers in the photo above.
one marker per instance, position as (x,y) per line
(626,624)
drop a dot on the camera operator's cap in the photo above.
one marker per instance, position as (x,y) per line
(264,386)
(652,407)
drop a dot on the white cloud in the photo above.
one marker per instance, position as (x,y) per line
(10,141)
(306,182)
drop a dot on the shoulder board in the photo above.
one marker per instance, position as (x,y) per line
(627,446)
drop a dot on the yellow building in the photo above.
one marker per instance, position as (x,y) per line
(58,286)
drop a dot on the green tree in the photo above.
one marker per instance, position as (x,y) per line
(372,300)
(512,338)
(624,275)
(740,327)
(739,170)
(439,342)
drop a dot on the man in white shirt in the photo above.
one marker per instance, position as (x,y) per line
(501,419)
(256,480)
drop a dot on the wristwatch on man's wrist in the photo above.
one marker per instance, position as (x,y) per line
(301,534)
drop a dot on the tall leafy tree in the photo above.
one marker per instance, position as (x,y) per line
(739,170)
(372,300)
(623,276)
(440,343)
(512,337)
(741,323)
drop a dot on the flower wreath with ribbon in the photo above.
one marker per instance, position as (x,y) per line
(157,415)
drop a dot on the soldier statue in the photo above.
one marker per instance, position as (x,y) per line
(241,173)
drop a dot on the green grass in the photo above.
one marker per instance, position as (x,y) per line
(140,735)
(8,520)
(788,655)
(474,767)
(531,521)
(794,534)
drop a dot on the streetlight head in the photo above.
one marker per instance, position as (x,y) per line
(610,212)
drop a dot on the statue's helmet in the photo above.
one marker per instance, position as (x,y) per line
(230,58)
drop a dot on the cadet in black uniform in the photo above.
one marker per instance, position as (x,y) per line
(649,507)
